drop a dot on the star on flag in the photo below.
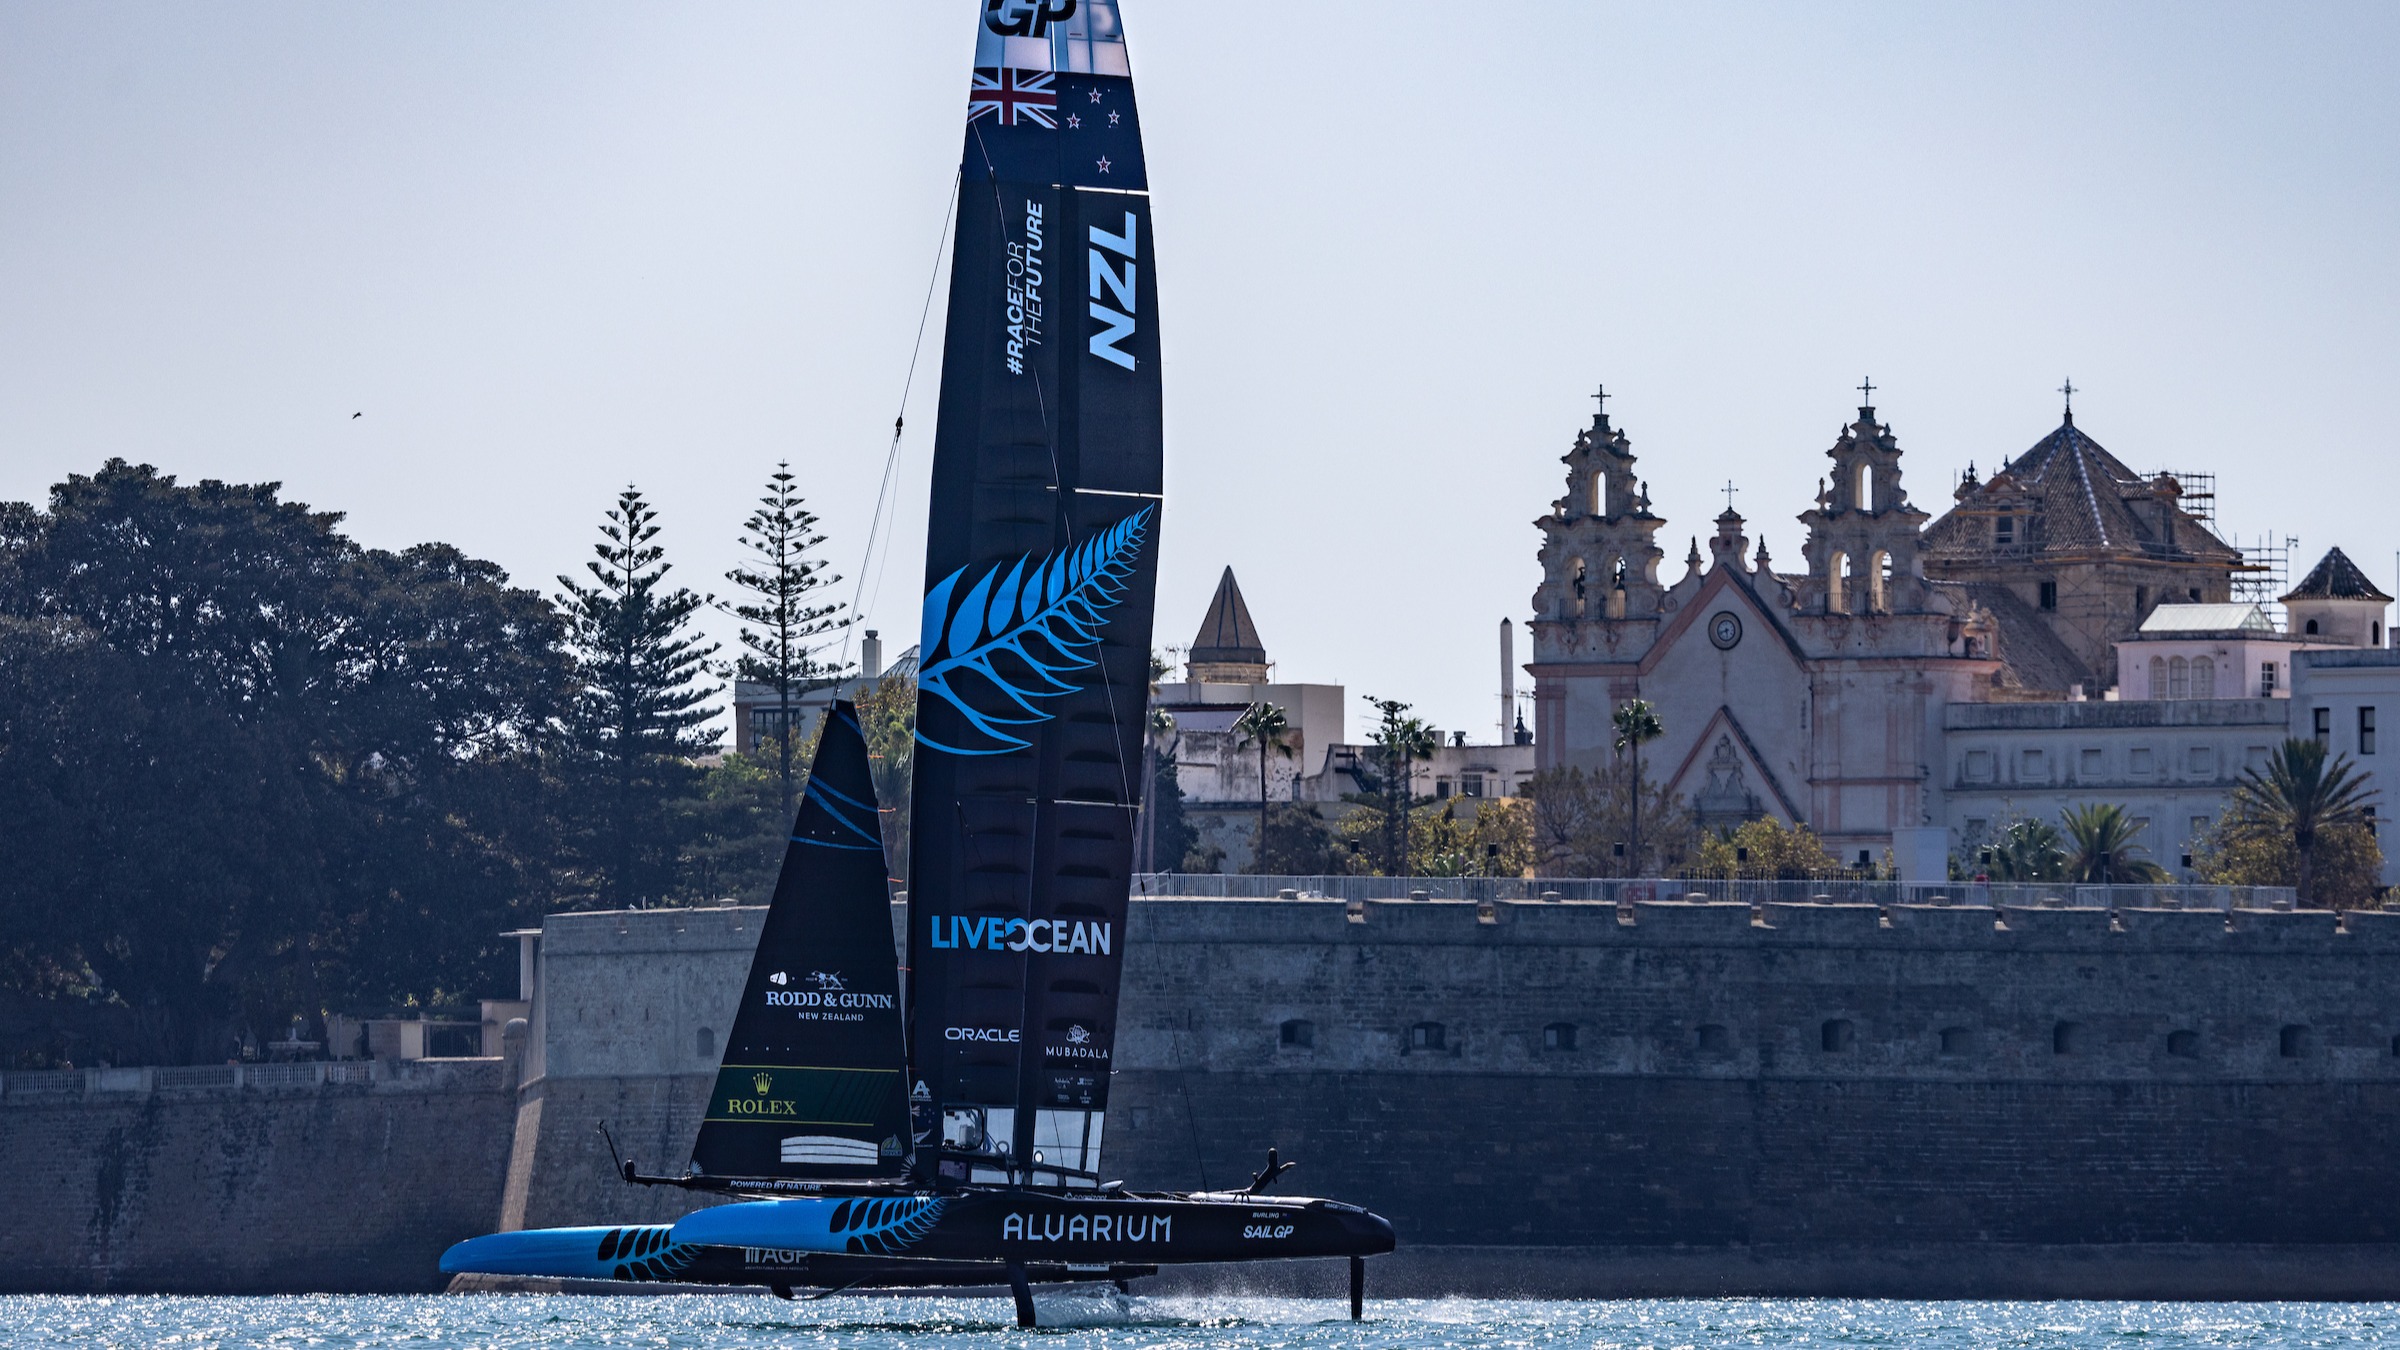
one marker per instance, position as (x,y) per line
(1013,96)
(1103,169)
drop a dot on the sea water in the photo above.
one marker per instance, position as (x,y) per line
(1111,1322)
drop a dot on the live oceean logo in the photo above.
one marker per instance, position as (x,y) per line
(976,933)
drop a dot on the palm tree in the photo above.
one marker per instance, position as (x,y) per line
(1265,725)
(2027,850)
(2300,795)
(1637,725)
(2104,853)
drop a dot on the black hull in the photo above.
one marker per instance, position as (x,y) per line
(1039,1226)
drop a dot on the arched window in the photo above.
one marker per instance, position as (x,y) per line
(1298,1034)
(2158,677)
(1579,586)
(1599,494)
(2179,678)
(704,1043)
(2312,625)
(2204,677)
(1837,584)
(1613,602)
(1866,487)
(2374,632)
(1879,581)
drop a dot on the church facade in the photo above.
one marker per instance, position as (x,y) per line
(1826,695)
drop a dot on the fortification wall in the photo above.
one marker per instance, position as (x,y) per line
(194,1181)
(1809,1098)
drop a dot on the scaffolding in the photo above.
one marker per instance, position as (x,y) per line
(2265,572)
(2199,499)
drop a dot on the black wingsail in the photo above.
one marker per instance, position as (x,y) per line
(1034,664)
(811,1084)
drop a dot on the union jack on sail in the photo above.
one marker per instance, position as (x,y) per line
(1009,95)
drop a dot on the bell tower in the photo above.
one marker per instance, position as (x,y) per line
(1863,548)
(1599,558)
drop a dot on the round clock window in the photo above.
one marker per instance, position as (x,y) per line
(1725,629)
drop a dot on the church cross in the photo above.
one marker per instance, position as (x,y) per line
(1730,489)
(2068,389)
(1601,398)
(1866,391)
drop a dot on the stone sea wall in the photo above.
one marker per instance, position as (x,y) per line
(257,1179)
(1546,1098)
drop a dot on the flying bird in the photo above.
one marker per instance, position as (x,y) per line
(356,415)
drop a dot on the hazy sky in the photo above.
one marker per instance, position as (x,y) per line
(548,249)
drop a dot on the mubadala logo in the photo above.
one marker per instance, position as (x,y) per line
(1026,18)
(976,933)
(1079,1045)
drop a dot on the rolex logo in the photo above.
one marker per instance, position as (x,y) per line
(764,1082)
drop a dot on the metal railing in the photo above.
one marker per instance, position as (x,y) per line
(1756,891)
(65,1084)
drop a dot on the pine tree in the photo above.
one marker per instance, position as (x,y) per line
(782,650)
(639,717)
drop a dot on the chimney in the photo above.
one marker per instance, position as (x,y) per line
(870,655)
(1508,677)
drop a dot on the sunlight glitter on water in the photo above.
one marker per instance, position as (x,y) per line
(1104,1322)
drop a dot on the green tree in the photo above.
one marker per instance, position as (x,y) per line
(1765,848)
(887,715)
(1400,741)
(276,772)
(639,718)
(2302,795)
(1266,726)
(2103,851)
(1637,725)
(1299,842)
(1582,823)
(2345,871)
(2025,850)
(792,625)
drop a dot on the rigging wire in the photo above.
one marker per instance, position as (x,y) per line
(891,457)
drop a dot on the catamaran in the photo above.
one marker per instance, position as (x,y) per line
(945,1133)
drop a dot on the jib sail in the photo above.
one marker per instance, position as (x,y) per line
(812,1082)
(1034,662)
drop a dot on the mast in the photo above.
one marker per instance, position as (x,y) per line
(1040,566)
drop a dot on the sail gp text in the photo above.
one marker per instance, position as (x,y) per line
(1025,290)
(1068,936)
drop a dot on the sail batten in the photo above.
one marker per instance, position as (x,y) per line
(1040,567)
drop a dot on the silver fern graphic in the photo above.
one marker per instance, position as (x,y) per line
(885,1227)
(1044,615)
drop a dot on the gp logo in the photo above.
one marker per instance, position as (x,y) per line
(1026,18)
